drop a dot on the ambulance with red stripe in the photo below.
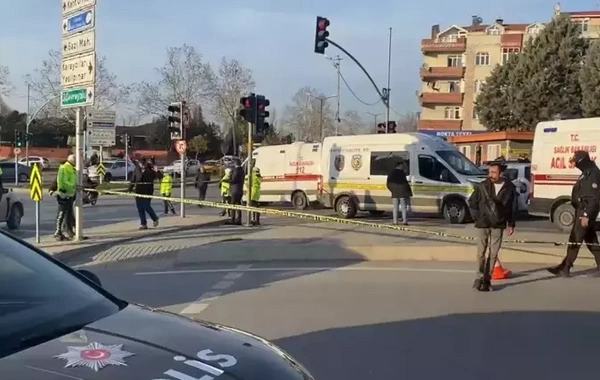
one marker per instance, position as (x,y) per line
(348,174)
(552,173)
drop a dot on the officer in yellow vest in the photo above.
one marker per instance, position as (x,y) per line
(166,189)
(255,196)
(226,190)
(66,184)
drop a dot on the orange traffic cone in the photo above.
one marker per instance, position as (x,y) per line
(500,273)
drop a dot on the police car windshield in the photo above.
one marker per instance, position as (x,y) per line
(460,163)
(41,301)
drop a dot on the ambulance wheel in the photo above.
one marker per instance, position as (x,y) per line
(455,211)
(564,217)
(345,207)
(299,200)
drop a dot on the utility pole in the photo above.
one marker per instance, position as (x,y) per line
(336,65)
(27,125)
(387,96)
(321,100)
(375,115)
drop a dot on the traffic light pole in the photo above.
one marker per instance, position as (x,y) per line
(126,157)
(16,169)
(384,97)
(79,170)
(182,157)
(249,192)
(387,95)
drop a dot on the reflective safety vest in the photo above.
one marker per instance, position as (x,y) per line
(225,186)
(256,184)
(166,184)
(66,180)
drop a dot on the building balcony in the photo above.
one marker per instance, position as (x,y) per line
(511,41)
(440,73)
(434,46)
(440,125)
(442,98)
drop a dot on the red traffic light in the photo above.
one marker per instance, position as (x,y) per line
(247,103)
(323,24)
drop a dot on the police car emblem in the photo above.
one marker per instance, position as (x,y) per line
(95,356)
(356,162)
(339,162)
(594,186)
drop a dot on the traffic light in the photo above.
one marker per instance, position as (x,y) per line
(381,128)
(248,111)
(391,127)
(19,139)
(129,140)
(262,127)
(321,35)
(175,124)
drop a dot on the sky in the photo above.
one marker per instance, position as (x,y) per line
(273,38)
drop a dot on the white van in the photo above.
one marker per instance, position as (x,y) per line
(553,176)
(348,174)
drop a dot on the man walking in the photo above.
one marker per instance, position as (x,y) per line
(492,207)
(585,198)
(143,179)
(66,184)
(201,182)
(237,192)
(398,185)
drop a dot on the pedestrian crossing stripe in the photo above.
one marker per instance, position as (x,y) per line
(35,183)
(100,169)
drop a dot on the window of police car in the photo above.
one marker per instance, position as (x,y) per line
(459,162)
(40,301)
(382,163)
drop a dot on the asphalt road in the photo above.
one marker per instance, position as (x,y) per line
(392,321)
(111,209)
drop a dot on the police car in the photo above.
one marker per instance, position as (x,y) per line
(57,323)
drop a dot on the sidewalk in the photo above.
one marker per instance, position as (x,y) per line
(103,237)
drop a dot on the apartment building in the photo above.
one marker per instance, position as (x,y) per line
(458,59)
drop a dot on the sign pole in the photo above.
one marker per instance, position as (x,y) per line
(36,194)
(16,168)
(126,158)
(37,222)
(249,192)
(101,173)
(79,168)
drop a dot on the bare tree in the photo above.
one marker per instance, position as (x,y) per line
(131,120)
(352,124)
(179,79)
(6,86)
(45,85)
(408,122)
(310,117)
(224,88)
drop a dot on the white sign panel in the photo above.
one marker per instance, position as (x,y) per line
(70,6)
(78,71)
(104,137)
(78,22)
(101,115)
(79,43)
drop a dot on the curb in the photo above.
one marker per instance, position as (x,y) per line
(263,251)
(79,255)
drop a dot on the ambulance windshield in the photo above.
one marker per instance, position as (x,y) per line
(460,163)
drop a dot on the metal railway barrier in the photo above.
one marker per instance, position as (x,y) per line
(321,218)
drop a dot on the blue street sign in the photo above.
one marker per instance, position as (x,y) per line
(446,134)
(79,22)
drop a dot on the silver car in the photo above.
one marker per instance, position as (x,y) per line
(11,209)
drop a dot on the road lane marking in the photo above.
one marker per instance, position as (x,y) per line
(206,298)
(307,269)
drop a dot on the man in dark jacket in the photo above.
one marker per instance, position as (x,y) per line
(492,207)
(585,198)
(398,185)
(201,182)
(143,179)
(237,192)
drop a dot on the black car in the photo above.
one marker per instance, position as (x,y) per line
(57,323)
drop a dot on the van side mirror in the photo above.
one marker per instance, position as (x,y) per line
(90,276)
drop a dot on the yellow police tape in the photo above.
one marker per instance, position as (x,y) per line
(319,218)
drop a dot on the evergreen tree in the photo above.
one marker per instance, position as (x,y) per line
(589,79)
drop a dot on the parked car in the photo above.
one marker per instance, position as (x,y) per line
(191,166)
(115,170)
(56,322)
(43,162)
(519,173)
(11,210)
(8,172)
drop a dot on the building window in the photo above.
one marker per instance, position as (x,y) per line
(454,86)
(534,30)
(475,116)
(452,113)
(455,61)
(465,150)
(493,152)
(449,38)
(482,59)
(478,86)
(583,25)
(507,52)
(494,31)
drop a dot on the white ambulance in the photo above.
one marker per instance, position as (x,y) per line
(552,173)
(348,174)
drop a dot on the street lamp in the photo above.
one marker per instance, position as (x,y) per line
(321,100)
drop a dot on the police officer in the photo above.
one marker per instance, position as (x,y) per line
(226,190)
(66,183)
(255,196)
(585,197)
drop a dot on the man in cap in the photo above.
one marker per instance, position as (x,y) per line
(66,184)
(585,198)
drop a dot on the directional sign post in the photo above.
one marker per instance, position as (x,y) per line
(36,194)
(101,127)
(78,79)
(101,170)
